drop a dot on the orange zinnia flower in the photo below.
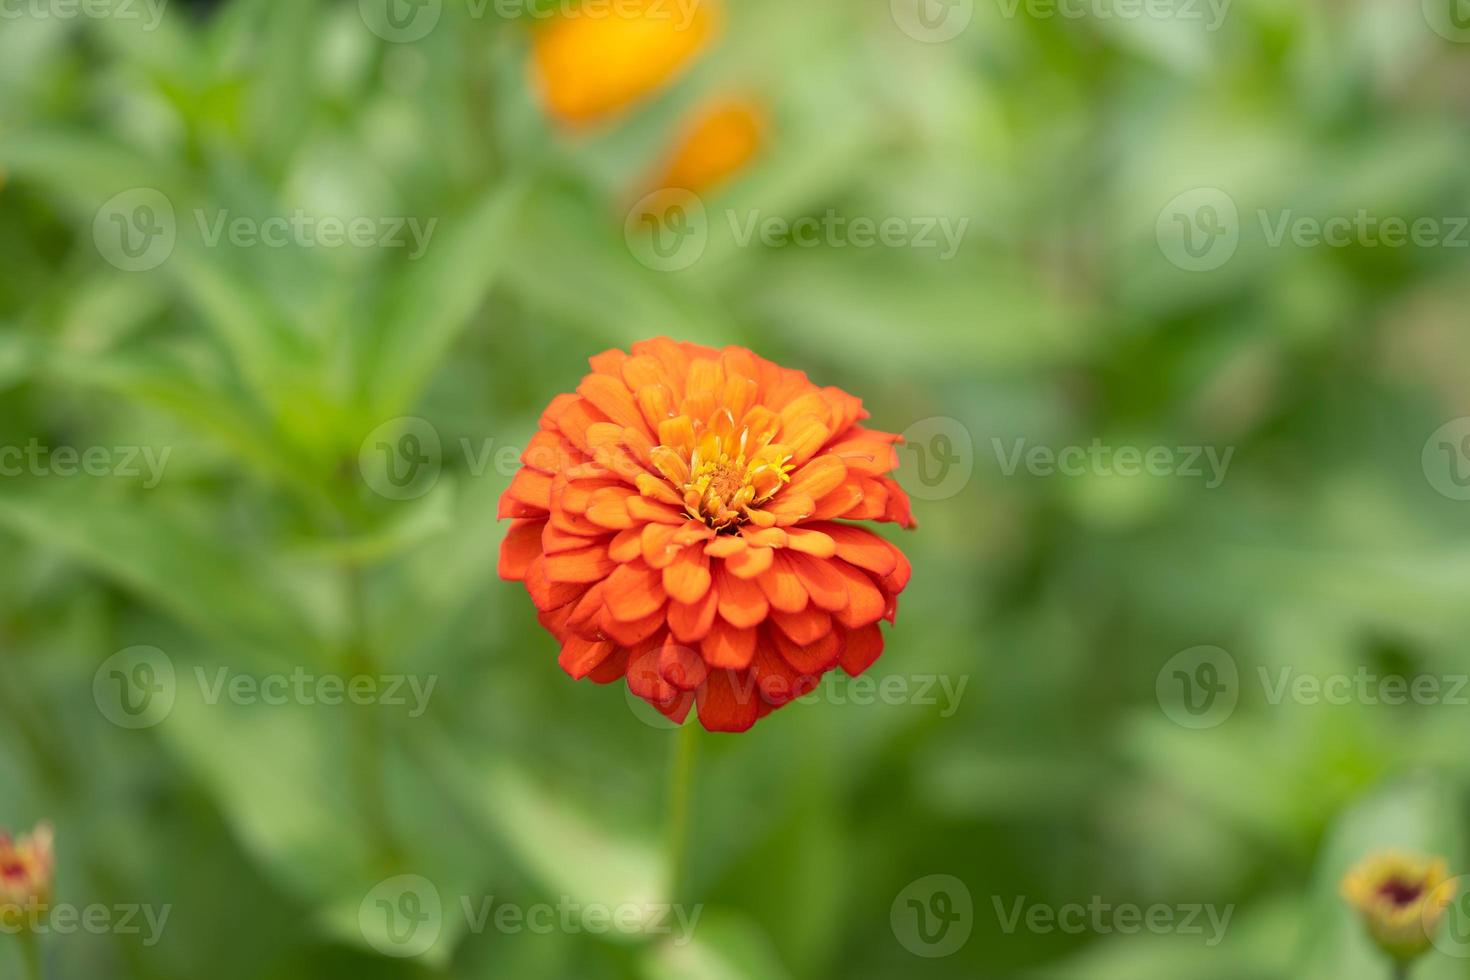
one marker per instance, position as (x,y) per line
(679,523)
(590,63)
(722,138)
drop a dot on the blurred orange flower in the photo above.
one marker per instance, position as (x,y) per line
(591,62)
(722,138)
(26,867)
(681,523)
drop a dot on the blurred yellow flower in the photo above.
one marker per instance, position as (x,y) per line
(1401,898)
(26,867)
(595,60)
(722,138)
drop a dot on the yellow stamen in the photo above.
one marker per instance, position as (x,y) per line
(721,483)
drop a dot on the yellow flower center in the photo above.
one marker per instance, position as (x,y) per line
(723,482)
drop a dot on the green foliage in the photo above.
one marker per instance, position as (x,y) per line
(270,544)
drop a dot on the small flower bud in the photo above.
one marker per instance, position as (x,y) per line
(1402,899)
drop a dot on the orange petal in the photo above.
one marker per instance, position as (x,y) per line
(860,547)
(612,669)
(819,477)
(729,647)
(861,648)
(807,626)
(727,702)
(789,508)
(546,594)
(580,657)
(779,682)
(742,603)
(609,508)
(866,452)
(644,678)
(521,546)
(811,542)
(613,399)
(725,546)
(588,565)
(839,502)
(626,544)
(750,563)
(866,603)
(821,580)
(691,623)
(643,509)
(659,549)
(687,578)
(809,659)
(633,591)
(782,585)
(635,632)
(681,666)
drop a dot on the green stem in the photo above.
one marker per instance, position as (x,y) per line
(681,792)
(1400,970)
(368,747)
(30,954)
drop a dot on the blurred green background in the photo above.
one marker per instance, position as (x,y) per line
(1068,770)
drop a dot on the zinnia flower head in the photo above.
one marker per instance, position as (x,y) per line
(1401,898)
(722,138)
(589,64)
(26,867)
(683,522)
